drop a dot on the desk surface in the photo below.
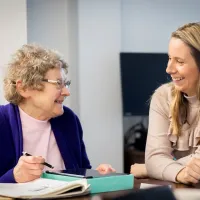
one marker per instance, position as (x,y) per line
(137,182)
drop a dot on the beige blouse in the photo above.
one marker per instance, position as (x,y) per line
(166,154)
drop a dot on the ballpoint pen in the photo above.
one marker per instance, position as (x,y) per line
(45,163)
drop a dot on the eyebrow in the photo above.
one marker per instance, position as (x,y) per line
(179,58)
(176,57)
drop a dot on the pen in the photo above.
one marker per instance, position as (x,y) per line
(45,163)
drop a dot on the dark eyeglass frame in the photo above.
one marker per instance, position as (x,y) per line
(60,84)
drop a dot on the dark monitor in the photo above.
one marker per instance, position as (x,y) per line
(141,74)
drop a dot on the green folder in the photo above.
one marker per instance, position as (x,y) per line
(104,183)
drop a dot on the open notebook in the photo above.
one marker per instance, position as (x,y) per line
(44,188)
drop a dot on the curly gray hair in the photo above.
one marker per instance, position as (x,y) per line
(30,64)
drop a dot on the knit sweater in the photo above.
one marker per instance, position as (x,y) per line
(167,154)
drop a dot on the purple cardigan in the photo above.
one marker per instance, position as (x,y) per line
(68,134)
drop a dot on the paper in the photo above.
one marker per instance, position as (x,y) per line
(42,188)
(146,185)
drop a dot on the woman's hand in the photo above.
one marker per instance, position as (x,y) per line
(139,170)
(28,168)
(191,173)
(105,169)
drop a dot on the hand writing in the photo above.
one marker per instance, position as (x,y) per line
(28,168)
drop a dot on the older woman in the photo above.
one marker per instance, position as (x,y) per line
(36,121)
(173,143)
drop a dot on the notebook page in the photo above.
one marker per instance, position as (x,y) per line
(34,188)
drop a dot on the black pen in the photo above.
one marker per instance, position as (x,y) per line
(46,164)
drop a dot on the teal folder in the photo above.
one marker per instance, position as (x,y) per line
(102,183)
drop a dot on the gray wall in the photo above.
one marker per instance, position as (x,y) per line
(147,25)
(99,79)
(13,33)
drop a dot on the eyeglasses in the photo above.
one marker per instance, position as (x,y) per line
(60,83)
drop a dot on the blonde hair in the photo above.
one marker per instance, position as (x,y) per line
(30,64)
(190,35)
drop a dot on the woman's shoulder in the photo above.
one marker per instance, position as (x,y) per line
(161,99)
(69,113)
(164,92)
(4,109)
(67,119)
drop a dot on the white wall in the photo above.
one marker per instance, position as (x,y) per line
(147,25)
(13,33)
(88,33)
(99,80)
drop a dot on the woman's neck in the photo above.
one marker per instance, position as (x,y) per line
(33,112)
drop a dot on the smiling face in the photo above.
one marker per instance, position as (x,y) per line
(46,104)
(182,67)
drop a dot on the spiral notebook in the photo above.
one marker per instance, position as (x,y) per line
(44,188)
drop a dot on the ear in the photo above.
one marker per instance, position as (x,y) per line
(23,91)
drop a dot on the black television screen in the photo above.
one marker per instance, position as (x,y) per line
(141,74)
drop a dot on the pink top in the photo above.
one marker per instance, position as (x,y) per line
(39,140)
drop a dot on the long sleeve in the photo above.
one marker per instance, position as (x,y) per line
(158,156)
(8,177)
(184,160)
(7,151)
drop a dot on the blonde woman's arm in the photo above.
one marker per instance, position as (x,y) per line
(158,155)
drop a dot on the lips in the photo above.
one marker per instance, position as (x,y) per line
(59,101)
(177,78)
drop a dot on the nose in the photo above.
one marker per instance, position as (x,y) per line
(171,68)
(65,92)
